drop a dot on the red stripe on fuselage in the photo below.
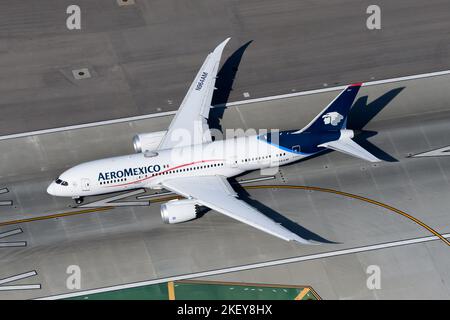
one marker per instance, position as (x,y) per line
(160,173)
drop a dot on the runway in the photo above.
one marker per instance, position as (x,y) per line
(143,57)
(129,244)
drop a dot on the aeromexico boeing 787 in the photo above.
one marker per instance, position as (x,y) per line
(186,160)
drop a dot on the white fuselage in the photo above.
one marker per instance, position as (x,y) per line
(146,170)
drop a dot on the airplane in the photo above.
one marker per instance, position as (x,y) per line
(186,160)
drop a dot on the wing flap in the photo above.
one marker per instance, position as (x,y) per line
(216,193)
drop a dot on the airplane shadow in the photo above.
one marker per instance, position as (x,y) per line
(362,113)
(279,218)
(224,85)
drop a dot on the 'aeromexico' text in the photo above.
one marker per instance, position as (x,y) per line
(103,176)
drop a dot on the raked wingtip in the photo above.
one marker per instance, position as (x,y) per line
(222,44)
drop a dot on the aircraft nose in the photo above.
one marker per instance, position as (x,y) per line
(52,189)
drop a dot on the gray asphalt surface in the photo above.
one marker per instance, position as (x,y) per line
(130,244)
(143,57)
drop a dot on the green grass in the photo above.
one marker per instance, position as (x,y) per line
(185,291)
(151,292)
(201,291)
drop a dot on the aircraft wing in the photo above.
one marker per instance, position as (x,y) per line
(216,193)
(189,126)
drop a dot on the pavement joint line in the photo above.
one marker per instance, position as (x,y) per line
(315,256)
(230,104)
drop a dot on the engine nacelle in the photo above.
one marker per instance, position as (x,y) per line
(176,211)
(148,141)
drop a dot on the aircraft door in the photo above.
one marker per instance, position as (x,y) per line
(85,184)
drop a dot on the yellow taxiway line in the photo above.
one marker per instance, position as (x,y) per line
(295,187)
(53,216)
(302,294)
(354,196)
(171,290)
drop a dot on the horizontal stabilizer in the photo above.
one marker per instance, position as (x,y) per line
(348,146)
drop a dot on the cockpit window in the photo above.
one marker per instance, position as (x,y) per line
(61,182)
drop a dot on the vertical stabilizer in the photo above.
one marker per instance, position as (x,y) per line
(334,116)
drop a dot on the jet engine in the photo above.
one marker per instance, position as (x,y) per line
(176,211)
(147,141)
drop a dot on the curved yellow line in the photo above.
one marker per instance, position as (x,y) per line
(53,216)
(269,186)
(354,196)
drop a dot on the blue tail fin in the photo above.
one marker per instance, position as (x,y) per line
(334,116)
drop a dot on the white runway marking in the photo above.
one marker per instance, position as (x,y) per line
(10,233)
(256,180)
(14,243)
(17,278)
(441,152)
(155,195)
(230,104)
(366,84)
(20,287)
(109,202)
(310,257)
(5,202)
